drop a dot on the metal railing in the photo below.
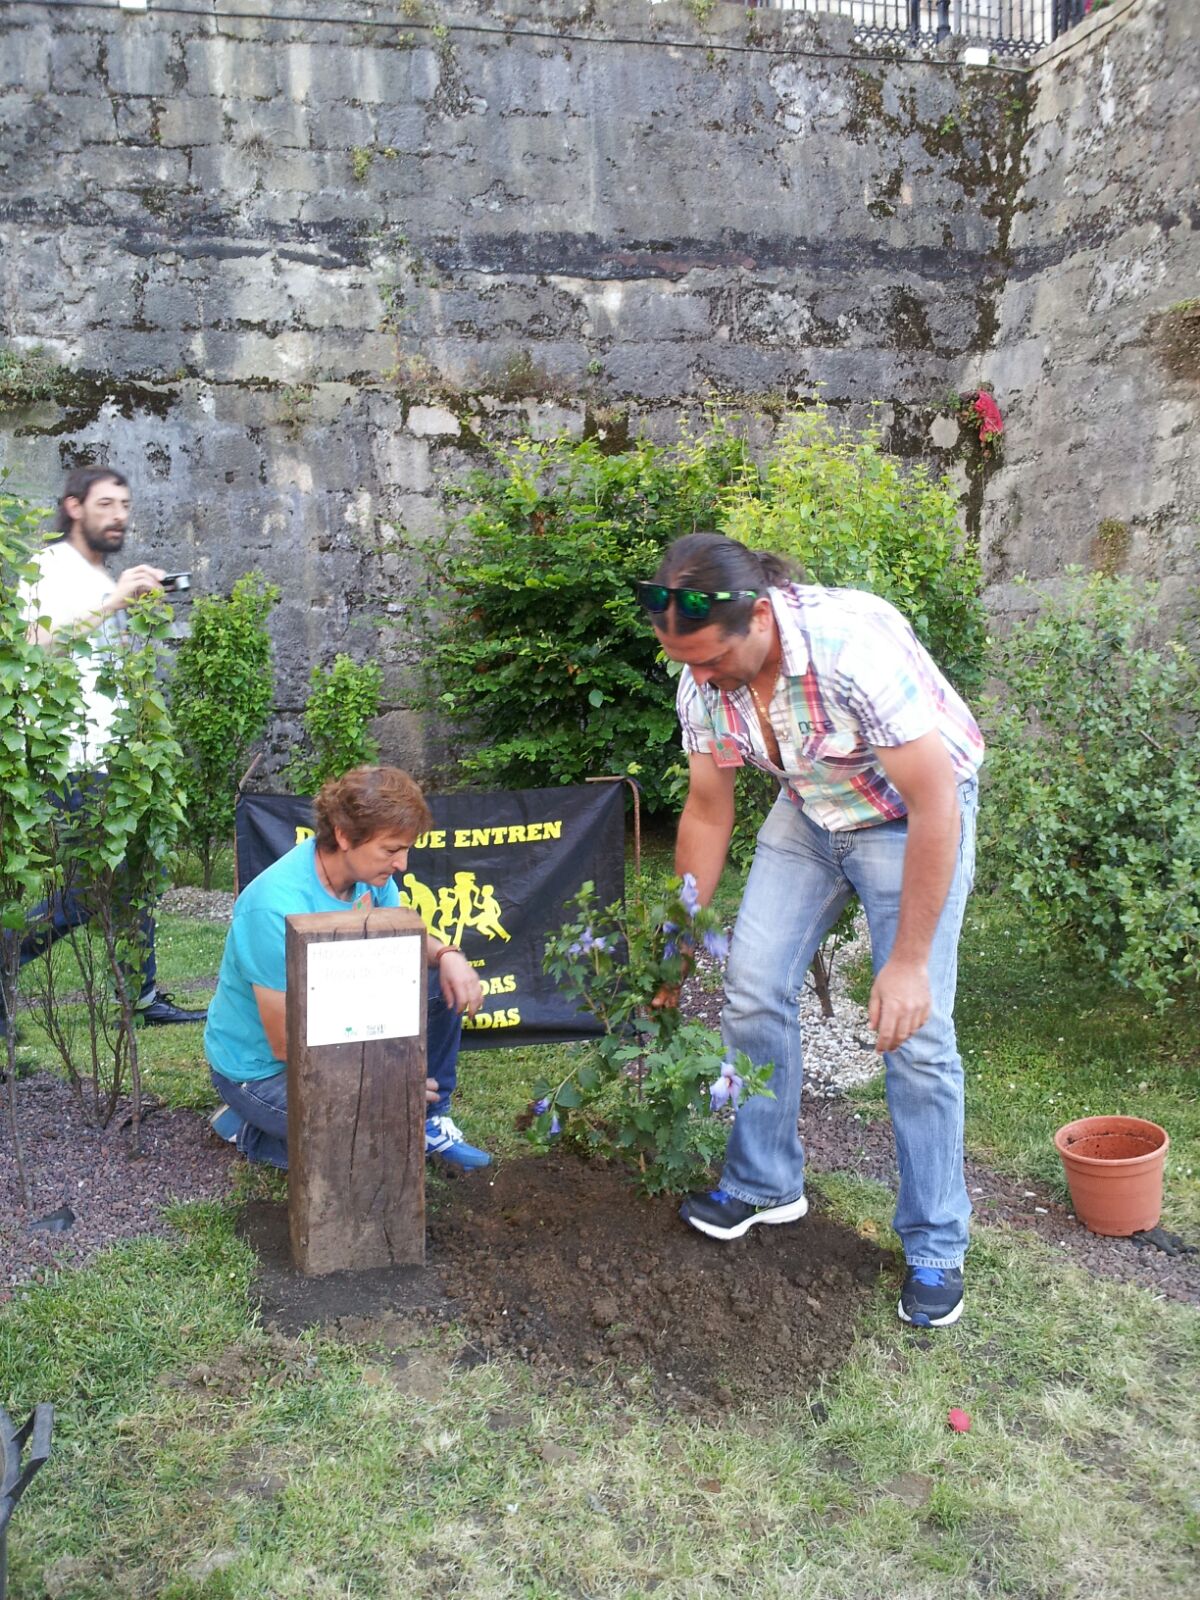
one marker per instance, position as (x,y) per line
(1010,27)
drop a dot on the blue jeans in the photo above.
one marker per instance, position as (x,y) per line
(262,1102)
(802,878)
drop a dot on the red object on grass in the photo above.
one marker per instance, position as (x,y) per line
(959,1421)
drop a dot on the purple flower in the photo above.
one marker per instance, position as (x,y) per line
(689,895)
(670,950)
(716,942)
(540,1107)
(727,1090)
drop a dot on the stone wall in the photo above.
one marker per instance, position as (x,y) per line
(1096,362)
(295,275)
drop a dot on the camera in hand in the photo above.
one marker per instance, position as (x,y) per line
(174,582)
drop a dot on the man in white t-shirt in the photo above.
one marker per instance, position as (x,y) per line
(73,595)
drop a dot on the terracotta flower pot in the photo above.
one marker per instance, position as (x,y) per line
(1114,1168)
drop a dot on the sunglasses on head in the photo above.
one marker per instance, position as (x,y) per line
(693,603)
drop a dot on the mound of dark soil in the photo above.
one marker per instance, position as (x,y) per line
(563,1263)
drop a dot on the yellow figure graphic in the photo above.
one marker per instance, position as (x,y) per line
(456,908)
(424,903)
(487,914)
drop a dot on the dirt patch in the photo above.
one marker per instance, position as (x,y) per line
(563,1264)
(372,1307)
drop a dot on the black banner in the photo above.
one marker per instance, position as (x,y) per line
(493,875)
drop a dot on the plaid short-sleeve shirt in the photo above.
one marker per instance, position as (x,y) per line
(853,678)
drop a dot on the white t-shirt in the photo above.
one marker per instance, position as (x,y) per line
(68,588)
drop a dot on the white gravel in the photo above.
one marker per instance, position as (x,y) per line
(839,1051)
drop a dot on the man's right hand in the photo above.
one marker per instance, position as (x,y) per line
(133,583)
(667,998)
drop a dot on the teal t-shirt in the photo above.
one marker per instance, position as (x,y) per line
(235,1041)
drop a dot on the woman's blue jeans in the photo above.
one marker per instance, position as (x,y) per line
(262,1102)
(802,878)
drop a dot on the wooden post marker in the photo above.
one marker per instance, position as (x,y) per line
(356,1018)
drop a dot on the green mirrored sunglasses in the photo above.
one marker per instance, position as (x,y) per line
(693,603)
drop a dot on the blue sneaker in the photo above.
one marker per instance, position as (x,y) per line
(444,1138)
(226,1124)
(722,1216)
(932,1297)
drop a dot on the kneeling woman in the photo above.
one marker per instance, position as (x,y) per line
(366,824)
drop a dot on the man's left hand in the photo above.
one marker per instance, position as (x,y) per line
(461,988)
(900,1004)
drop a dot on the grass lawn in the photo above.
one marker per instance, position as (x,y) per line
(199,1456)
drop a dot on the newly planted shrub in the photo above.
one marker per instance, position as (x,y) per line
(1092,810)
(648,1090)
(221,693)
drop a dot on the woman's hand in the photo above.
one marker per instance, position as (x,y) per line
(461,988)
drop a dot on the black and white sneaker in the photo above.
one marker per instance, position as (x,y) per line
(723,1216)
(932,1297)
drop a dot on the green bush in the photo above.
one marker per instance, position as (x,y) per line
(854,517)
(39,707)
(851,516)
(539,654)
(1092,813)
(537,649)
(342,701)
(221,693)
(115,848)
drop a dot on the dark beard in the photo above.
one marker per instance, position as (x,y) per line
(101,543)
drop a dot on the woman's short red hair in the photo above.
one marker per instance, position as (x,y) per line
(368,801)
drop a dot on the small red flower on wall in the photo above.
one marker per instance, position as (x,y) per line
(988,412)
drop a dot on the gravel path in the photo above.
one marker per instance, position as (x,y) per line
(112,1197)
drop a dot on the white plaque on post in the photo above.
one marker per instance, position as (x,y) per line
(360,990)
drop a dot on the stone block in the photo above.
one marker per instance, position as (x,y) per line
(143,61)
(114,167)
(233,68)
(170,305)
(74,58)
(133,121)
(402,127)
(325,297)
(650,311)
(402,463)
(362,75)
(431,421)
(411,518)
(25,58)
(187,120)
(272,126)
(334,125)
(404,741)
